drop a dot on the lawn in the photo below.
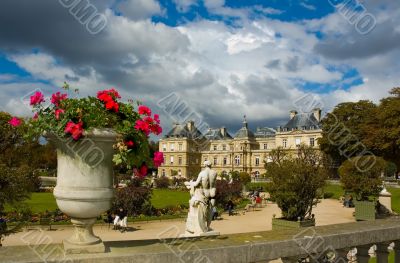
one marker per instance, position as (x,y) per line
(337,191)
(166,197)
(40,202)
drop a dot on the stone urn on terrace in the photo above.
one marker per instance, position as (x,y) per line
(84,187)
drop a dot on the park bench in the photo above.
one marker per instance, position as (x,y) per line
(45,221)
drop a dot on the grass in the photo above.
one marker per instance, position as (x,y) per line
(40,202)
(335,189)
(165,197)
(390,260)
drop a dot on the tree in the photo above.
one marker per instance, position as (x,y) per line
(343,130)
(14,188)
(362,182)
(382,133)
(296,180)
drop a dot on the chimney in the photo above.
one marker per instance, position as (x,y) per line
(190,125)
(317,114)
(223,131)
(292,114)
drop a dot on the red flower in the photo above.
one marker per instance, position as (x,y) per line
(158,159)
(57,112)
(142,126)
(130,144)
(76,130)
(15,122)
(143,170)
(37,98)
(35,116)
(108,98)
(112,105)
(144,110)
(156,129)
(57,97)
(157,118)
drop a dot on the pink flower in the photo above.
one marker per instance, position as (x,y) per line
(108,98)
(76,130)
(37,98)
(57,97)
(15,122)
(144,110)
(158,159)
(57,112)
(35,116)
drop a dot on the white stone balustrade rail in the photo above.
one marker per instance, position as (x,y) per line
(290,245)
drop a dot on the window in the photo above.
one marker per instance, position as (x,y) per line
(171,147)
(180,160)
(265,146)
(205,158)
(215,147)
(298,141)
(164,147)
(312,141)
(163,172)
(257,160)
(215,160)
(180,147)
(172,159)
(225,161)
(223,147)
(284,143)
(237,160)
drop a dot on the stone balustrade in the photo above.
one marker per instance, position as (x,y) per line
(311,244)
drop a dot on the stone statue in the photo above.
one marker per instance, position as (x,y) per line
(202,192)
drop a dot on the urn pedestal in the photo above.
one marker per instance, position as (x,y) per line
(84,187)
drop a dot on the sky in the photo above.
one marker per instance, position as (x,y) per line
(221,59)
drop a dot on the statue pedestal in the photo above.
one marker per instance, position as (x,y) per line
(205,234)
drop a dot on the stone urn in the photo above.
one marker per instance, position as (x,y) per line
(84,187)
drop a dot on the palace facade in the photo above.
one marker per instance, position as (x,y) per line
(185,148)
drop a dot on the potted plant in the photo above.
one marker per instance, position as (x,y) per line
(91,133)
(296,178)
(361,176)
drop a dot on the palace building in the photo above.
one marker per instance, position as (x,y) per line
(185,148)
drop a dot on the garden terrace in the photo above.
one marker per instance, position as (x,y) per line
(250,247)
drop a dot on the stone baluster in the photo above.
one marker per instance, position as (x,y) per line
(363,254)
(397,251)
(382,252)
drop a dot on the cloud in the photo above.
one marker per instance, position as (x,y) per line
(139,9)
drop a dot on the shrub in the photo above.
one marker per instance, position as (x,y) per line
(244,178)
(134,198)
(295,181)
(162,182)
(227,191)
(362,176)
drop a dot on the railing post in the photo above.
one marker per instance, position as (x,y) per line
(363,254)
(382,253)
(397,251)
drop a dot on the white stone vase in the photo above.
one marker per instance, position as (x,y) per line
(84,187)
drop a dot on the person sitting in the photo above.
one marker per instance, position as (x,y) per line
(109,219)
(121,220)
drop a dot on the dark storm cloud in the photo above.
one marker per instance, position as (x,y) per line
(383,39)
(48,26)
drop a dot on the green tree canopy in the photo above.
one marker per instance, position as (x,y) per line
(295,180)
